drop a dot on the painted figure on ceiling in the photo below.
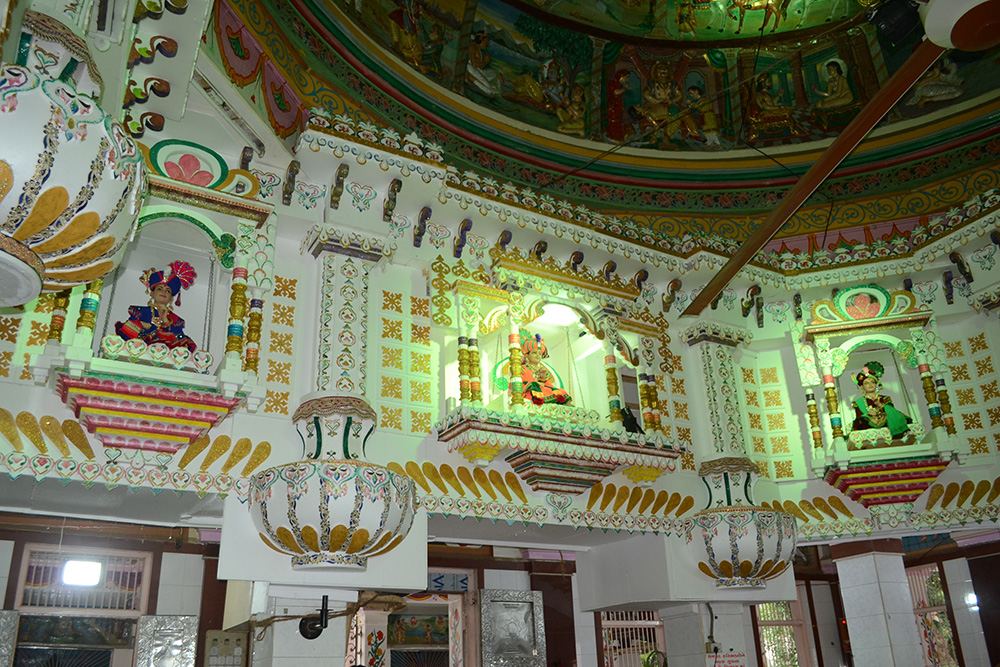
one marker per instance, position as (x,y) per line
(704,109)
(838,92)
(571,117)
(156,322)
(618,127)
(430,60)
(405,27)
(939,84)
(537,380)
(875,410)
(686,19)
(477,71)
(548,90)
(662,107)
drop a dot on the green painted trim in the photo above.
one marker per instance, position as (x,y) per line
(346,437)
(223,242)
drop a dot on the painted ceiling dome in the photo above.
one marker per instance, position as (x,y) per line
(682,117)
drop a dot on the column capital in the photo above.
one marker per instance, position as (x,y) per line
(715,332)
(887,545)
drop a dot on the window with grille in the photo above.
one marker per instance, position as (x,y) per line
(627,635)
(121,590)
(782,634)
(931,610)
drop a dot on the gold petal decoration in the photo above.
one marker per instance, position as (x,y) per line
(50,427)
(839,505)
(595,493)
(81,227)
(620,498)
(9,430)
(792,508)
(240,452)
(934,495)
(647,499)
(633,499)
(686,504)
(808,508)
(6,179)
(675,500)
(47,208)
(413,470)
(480,476)
(609,494)
(765,505)
(465,477)
(83,274)
(219,448)
(193,450)
(982,488)
(29,427)
(950,493)
(515,485)
(449,476)
(994,492)
(76,435)
(434,476)
(88,253)
(822,506)
(499,484)
(661,499)
(396,468)
(260,454)
(968,486)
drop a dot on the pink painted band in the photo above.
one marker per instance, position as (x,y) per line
(828,379)
(924,368)
(240,272)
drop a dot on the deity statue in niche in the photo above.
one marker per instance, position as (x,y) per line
(538,383)
(156,322)
(838,92)
(663,104)
(873,409)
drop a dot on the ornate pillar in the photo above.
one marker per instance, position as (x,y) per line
(515,312)
(60,303)
(798,84)
(814,429)
(88,313)
(832,403)
(594,115)
(343,343)
(254,323)
(475,374)
(237,310)
(609,327)
(649,398)
(946,416)
(716,343)
(930,391)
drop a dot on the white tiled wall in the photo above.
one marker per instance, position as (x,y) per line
(6,553)
(966,607)
(586,637)
(180,584)
(826,622)
(507,580)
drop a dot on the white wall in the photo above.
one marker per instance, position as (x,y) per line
(586,633)
(826,622)
(507,580)
(180,584)
(966,607)
(6,554)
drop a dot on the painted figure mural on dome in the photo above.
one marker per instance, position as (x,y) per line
(156,322)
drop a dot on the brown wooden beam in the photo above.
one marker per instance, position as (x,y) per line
(879,105)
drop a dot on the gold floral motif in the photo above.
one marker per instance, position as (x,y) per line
(284,287)
(260,454)
(276,402)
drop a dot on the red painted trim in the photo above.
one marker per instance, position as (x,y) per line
(880,104)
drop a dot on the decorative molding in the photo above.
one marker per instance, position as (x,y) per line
(715,332)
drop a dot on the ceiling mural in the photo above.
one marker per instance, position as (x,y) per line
(663,188)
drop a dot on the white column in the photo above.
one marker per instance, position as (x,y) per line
(283,646)
(877,604)
(586,632)
(965,605)
(688,627)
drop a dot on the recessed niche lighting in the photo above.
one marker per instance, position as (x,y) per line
(81,573)
(558,315)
